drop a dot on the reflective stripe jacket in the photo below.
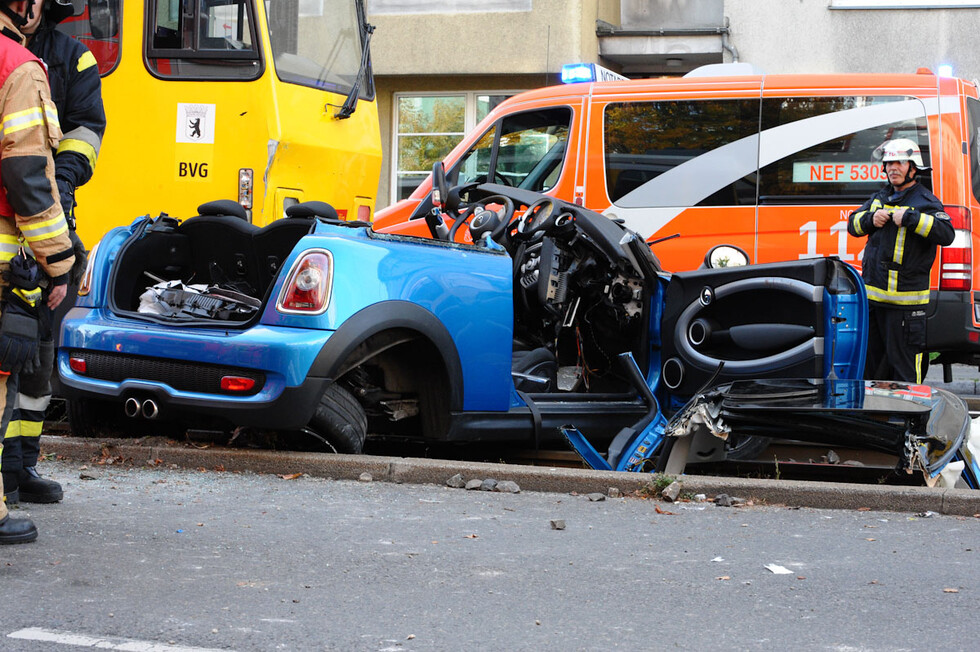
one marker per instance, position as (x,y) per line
(76,89)
(29,204)
(897,260)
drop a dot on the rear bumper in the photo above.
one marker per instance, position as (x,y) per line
(280,357)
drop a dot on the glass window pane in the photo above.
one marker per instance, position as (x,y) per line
(407,183)
(714,140)
(973,110)
(318,43)
(475,165)
(487,103)
(424,115)
(833,162)
(532,148)
(418,153)
(202,39)
(99,29)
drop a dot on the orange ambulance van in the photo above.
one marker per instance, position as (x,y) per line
(771,163)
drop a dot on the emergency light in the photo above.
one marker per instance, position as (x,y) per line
(945,70)
(573,73)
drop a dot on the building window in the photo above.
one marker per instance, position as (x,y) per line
(428,127)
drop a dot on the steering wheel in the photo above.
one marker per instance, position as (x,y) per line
(493,222)
(497,177)
(539,216)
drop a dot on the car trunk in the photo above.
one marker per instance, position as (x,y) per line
(207,269)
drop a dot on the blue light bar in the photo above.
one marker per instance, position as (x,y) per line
(945,70)
(572,73)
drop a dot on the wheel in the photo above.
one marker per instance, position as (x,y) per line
(340,420)
(90,418)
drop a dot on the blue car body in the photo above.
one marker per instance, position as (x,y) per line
(434,334)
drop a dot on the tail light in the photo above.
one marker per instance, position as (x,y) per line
(956,261)
(85,285)
(307,288)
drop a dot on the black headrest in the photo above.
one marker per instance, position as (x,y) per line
(223,207)
(319,209)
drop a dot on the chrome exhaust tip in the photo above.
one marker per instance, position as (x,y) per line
(131,407)
(150,409)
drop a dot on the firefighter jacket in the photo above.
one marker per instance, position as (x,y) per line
(897,260)
(76,89)
(30,210)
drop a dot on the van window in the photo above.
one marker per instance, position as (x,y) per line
(973,112)
(524,150)
(202,39)
(830,141)
(98,28)
(708,146)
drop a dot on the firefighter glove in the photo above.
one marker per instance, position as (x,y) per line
(81,260)
(18,336)
(23,273)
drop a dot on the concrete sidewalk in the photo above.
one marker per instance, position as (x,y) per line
(156,451)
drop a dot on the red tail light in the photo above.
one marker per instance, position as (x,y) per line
(307,289)
(956,261)
(237,383)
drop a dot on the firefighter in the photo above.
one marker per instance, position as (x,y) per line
(31,215)
(76,89)
(903,223)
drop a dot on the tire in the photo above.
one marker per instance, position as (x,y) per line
(340,420)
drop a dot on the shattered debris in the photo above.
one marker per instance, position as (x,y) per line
(557,524)
(671,491)
(776,569)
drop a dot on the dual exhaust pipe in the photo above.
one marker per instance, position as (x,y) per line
(147,409)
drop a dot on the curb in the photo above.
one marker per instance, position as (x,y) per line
(792,493)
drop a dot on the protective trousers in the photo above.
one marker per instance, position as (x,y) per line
(896,340)
(27,399)
(3,408)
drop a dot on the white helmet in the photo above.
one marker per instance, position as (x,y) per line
(900,149)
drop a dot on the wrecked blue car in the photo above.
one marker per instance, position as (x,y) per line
(523,319)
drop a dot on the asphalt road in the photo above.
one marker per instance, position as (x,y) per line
(166,559)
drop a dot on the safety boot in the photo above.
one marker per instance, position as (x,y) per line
(35,489)
(17,530)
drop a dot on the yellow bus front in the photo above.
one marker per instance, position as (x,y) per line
(229,99)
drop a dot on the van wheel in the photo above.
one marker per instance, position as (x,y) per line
(88,418)
(340,420)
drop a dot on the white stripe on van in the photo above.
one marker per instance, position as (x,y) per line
(650,207)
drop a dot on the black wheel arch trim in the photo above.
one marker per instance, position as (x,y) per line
(386,316)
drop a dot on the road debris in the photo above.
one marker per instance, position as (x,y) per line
(776,569)
(557,524)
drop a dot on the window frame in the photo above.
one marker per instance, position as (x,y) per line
(204,56)
(470,121)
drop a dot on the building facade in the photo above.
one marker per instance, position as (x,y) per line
(440,67)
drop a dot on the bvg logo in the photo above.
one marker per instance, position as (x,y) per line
(192,170)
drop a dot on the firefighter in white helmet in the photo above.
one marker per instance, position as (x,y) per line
(903,223)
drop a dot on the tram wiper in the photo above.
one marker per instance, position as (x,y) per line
(350,104)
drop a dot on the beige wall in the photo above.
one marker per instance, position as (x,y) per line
(555,32)
(786,36)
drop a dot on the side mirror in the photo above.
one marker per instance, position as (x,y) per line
(440,187)
(726,256)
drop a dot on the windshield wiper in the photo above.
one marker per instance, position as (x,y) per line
(350,104)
